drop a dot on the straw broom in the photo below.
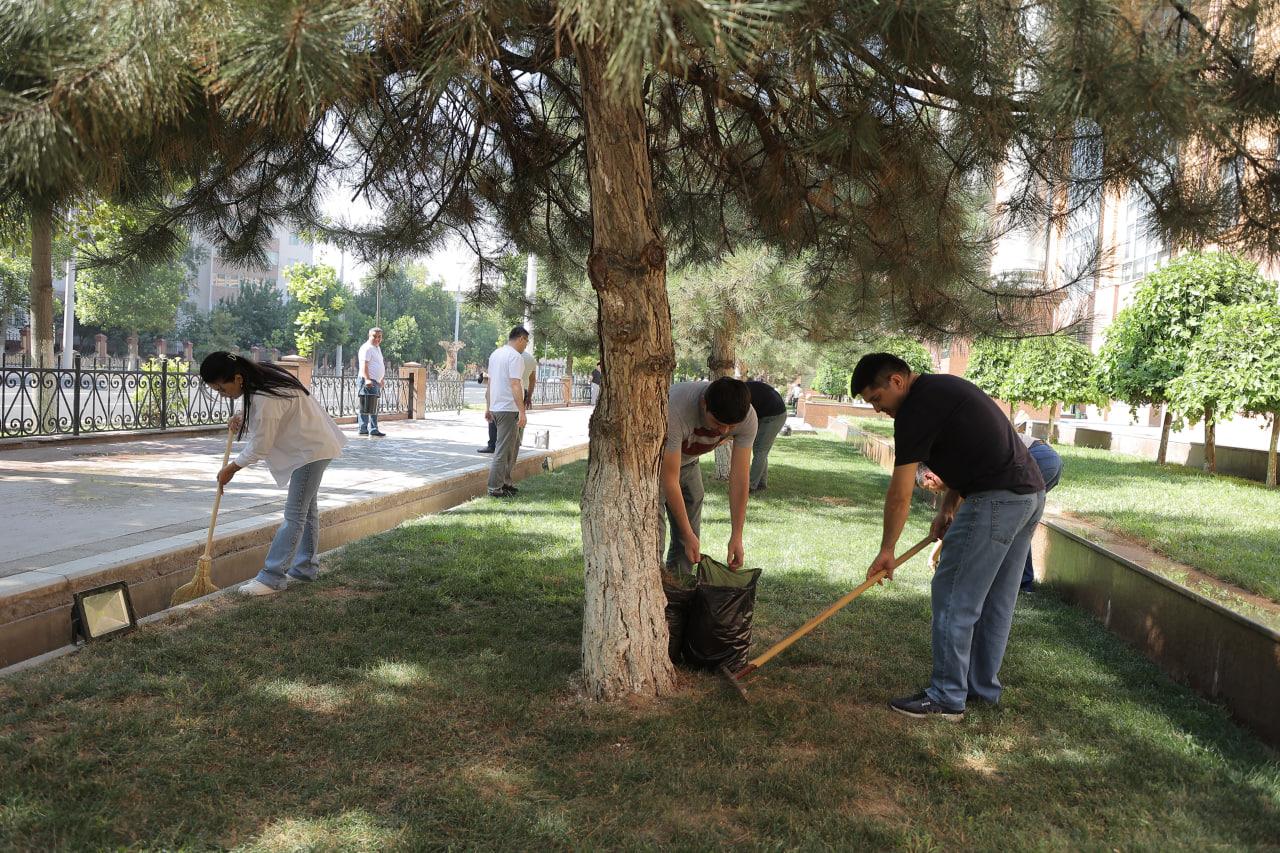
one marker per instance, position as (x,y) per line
(202,584)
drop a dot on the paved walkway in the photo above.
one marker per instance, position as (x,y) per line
(63,505)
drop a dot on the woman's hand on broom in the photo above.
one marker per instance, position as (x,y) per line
(234,424)
(225,475)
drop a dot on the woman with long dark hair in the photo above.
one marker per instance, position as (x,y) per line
(296,437)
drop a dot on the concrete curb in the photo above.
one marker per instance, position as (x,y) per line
(35,607)
(1219,653)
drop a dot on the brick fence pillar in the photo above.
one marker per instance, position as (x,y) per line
(300,367)
(419,374)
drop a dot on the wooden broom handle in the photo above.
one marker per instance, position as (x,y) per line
(213,520)
(781,646)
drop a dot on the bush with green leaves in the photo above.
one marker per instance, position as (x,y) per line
(1050,370)
(321,299)
(161,389)
(1149,343)
(1234,366)
(991,366)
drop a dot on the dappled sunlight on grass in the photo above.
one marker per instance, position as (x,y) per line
(355,829)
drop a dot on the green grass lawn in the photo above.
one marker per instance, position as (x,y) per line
(1224,526)
(420,695)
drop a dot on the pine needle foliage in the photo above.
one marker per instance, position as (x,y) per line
(861,138)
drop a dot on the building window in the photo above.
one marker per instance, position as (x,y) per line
(295,240)
(1085,203)
(1141,251)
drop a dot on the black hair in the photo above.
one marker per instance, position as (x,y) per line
(728,400)
(873,369)
(518,332)
(257,378)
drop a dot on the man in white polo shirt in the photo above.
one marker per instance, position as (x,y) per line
(504,404)
(372,371)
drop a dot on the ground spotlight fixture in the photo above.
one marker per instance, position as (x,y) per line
(102,612)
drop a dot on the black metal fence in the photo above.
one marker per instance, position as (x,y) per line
(159,394)
(581,391)
(339,393)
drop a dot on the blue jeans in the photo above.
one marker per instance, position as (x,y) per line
(296,544)
(766,434)
(368,422)
(1051,469)
(974,592)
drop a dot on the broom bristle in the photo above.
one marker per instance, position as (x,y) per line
(200,585)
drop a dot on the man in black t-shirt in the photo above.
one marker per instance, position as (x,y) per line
(949,424)
(771,413)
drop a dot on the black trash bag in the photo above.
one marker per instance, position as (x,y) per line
(679,590)
(718,630)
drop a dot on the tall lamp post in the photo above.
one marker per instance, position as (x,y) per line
(69,302)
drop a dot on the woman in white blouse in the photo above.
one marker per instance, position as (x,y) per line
(290,431)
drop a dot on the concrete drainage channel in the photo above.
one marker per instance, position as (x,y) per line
(35,616)
(1219,653)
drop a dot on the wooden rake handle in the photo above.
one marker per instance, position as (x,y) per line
(781,646)
(213,520)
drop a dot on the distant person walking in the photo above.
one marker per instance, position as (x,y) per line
(289,430)
(597,382)
(504,405)
(372,371)
(771,415)
(794,392)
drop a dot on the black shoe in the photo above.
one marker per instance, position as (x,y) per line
(512,489)
(504,492)
(362,433)
(921,706)
(485,450)
(378,434)
(1029,589)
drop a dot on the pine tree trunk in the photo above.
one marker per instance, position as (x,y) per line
(1271,452)
(1053,417)
(1210,448)
(721,363)
(42,316)
(1012,413)
(624,630)
(1165,426)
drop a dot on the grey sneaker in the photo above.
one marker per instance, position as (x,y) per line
(920,706)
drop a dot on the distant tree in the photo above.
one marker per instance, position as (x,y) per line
(261,316)
(990,368)
(208,332)
(1148,345)
(402,340)
(1051,370)
(321,300)
(1234,366)
(15,274)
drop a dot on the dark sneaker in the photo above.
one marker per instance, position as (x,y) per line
(512,489)
(378,434)
(502,493)
(485,450)
(362,433)
(921,706)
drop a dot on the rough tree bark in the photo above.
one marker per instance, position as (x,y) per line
(624,631)
(42,315)
(1166,426)
(721,363)
(1271,451)
(1210,441)
(1053,417)
(42,285)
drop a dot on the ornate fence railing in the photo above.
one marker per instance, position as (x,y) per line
(160,394)
(339,394)
(581,391)
(548,392)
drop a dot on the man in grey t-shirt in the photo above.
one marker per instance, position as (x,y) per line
(700,417)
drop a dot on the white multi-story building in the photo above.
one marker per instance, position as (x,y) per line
(217,279)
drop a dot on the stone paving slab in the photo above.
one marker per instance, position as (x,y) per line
(63,508)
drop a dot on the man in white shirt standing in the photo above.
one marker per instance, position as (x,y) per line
(504,404)
(372,371)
